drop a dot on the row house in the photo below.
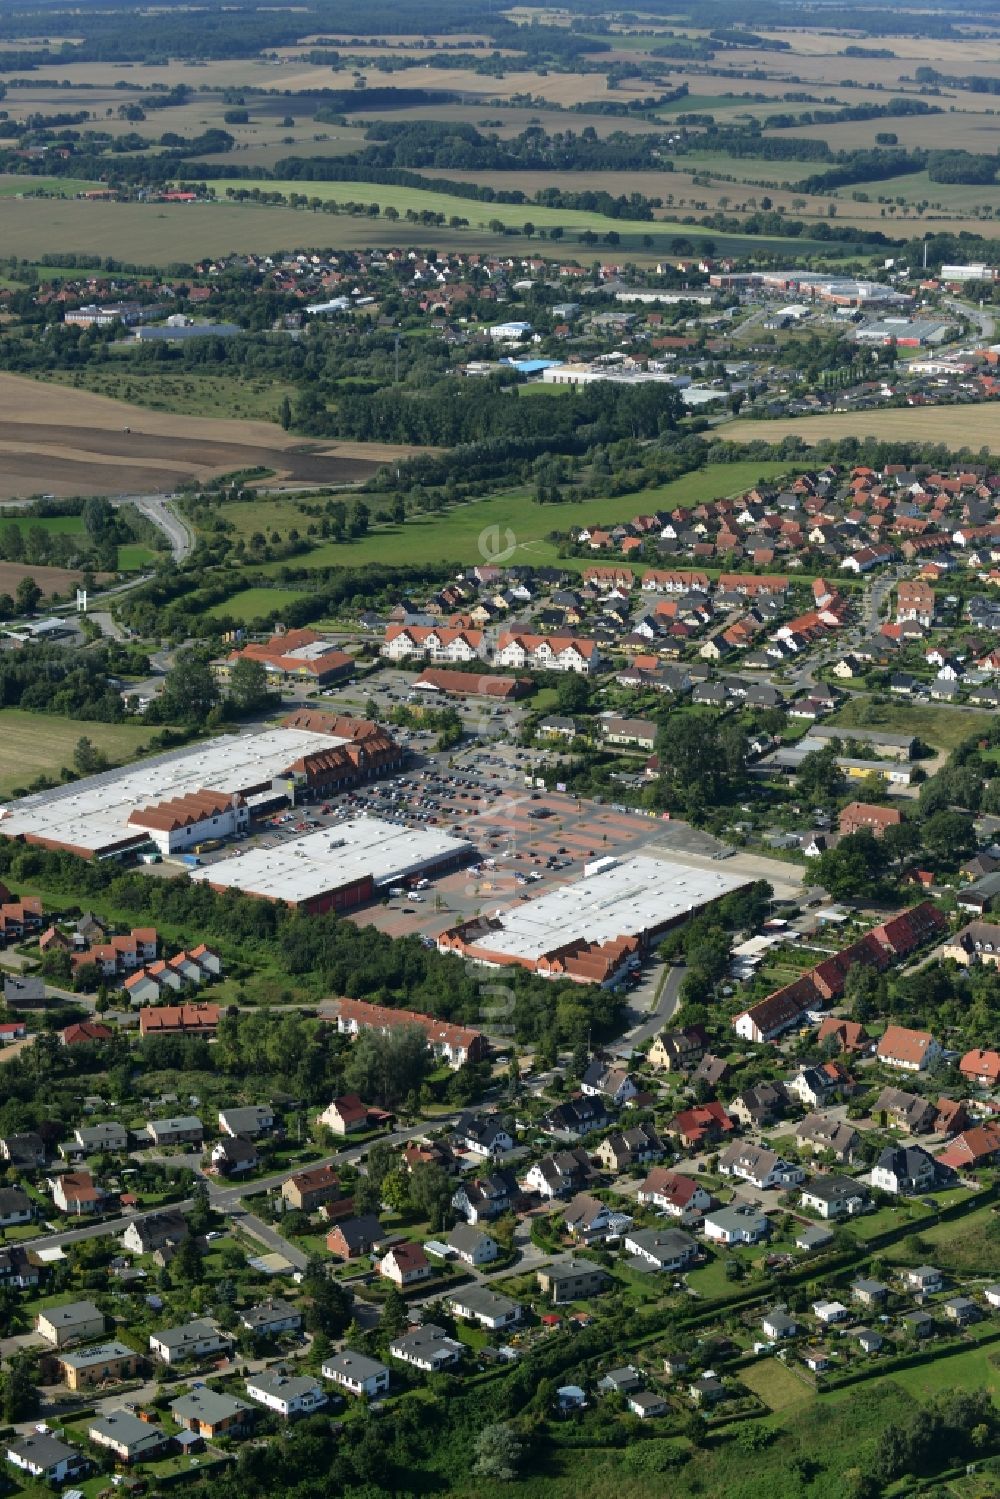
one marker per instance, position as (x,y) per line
(420,642)
(569,653)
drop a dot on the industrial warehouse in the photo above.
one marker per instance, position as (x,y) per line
(174,802)
(595,928)
(342,867)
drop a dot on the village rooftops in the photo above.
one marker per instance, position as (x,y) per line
(362,848)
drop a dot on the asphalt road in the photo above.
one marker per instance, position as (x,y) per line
(158,509)
(226,1197)
(658,1017)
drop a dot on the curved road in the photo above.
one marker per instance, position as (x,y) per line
(157,508)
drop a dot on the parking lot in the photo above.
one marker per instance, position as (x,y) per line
(527,838)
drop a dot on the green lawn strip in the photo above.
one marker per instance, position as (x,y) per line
(481,215)
(257,603)
(456,535)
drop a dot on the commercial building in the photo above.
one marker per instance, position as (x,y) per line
(207,791)
(341,867)
(590,930)
(292,658)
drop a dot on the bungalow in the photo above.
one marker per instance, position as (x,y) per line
(427,1347)
(835,1197)
(738,1224)
(198,1338)
(46,1457)
(923,1280)
(358,1373)
(211,1413)
(662,1248)
(646,1404)
(286,1394)
(485,1306)
(962,1310)
(109,1138)
(830,1312)
(707,1390)
(620,1381)
(870,1293)
(778,1326)
(131,1439)
(185,1130)
(248,1123)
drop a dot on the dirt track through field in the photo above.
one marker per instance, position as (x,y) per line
(55,440)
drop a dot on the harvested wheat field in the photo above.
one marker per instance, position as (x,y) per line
(55,582)
(68,442)
(972,427)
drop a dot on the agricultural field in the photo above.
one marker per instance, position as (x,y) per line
(33,744)
(59,187)
(55,582)
(973,427)
(188,394)
(504,521)
(57,441)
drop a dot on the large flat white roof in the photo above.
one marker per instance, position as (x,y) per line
(626,899)
(339,855)
(93,814)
